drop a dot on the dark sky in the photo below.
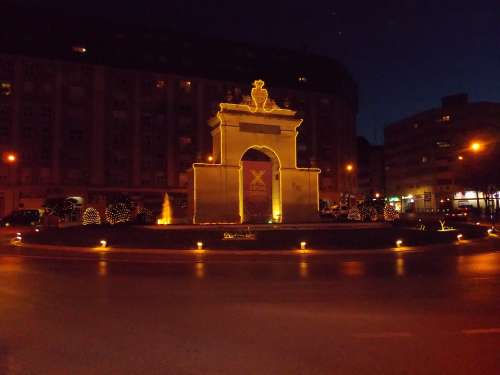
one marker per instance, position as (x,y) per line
(404,54)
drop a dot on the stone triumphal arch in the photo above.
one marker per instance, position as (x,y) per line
(254,177)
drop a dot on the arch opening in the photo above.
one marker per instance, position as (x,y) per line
(260,186)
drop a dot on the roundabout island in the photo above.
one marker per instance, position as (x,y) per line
(269,237)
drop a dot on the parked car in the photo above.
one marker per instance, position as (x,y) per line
(458,214)
(340,213)
(21,218)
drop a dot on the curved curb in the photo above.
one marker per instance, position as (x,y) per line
(146,251)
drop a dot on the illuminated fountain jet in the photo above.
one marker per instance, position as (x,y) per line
(166,212)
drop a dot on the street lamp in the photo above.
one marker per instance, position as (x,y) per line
(349,167)
(475,146)
(10,157)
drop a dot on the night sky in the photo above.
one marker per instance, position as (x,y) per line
(404,54)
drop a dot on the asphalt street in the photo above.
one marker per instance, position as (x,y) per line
(401,312)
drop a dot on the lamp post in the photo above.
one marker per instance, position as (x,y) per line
(10,158)
(474,179)
(349,168)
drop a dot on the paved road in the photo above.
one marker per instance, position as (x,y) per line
(390,313)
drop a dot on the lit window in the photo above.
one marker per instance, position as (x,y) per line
(415,125)
(5,88)
(186,86)
(424,159)
(445,118)
(160,84)
(79,49)
(302,79)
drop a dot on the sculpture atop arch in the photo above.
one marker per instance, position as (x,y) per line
(223,192)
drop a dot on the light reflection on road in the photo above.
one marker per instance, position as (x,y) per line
(199,270)
(480,264)
(264,267)
(353,268)
(103,268)
(303,269)
(400,266)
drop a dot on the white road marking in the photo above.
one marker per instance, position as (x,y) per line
(382,335)
(480,331)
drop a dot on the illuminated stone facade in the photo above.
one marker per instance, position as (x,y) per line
(216,190)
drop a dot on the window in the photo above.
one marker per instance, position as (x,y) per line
(27,131)
(445,118)
(160,84)
(160,178)
(76,92)
(302,79)
(5,89)
(186,86)
(4,112)
(183,141)
(28,86)
(45,154)
(147,163)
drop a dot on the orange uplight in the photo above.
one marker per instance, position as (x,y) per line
(476,146)
(349,167)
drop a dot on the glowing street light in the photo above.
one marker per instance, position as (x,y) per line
(10,157)
(460,157)
(476,146)
(349,167)
(210,158)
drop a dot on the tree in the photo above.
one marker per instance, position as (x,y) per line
(390,213)
(91,217)
(117,213)
(60,207)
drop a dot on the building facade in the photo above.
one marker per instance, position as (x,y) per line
(427,154)
(91,111)
(371,169)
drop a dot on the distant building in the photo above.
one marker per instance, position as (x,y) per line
(370,167)
(92,108)
(425,154)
